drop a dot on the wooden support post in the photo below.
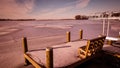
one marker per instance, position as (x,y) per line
(24,43)
(81,34)
(68,36)
(119,35)
(49,57)
(109,42)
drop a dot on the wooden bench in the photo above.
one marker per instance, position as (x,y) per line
(93,46)
(65,53)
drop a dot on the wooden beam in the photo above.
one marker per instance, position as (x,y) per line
(32,61)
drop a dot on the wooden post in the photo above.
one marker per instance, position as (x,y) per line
(81,34)
(119,35)
(109,42)
(49,57)
(68,36)
(24,42)
(100,35)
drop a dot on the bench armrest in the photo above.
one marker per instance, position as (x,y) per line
(82,52)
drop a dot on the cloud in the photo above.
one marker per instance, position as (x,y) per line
(82,3)
(24,9)
(59,10)
(28,4)
(78,4)
(57,13)
(12,9)
(63,12)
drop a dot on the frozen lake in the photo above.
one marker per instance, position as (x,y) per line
(13,30)
(43,34)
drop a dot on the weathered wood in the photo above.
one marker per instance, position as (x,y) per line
(109,42)
(25,47)
(119,40)
(33,62)
(49,57)
(93,46)
(68,36)
(24,41)
(81,34)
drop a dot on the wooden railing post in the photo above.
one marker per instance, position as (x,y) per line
(49,57)
(25,47)
(68,36)
(81,34)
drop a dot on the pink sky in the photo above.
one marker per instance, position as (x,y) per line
(35,9)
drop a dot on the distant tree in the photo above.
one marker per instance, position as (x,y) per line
(77,17)
(104,14)
(94,16)
(115,14)
(80,17)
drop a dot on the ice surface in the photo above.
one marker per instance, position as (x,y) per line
(42,34)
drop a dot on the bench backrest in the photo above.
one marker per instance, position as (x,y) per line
(94,45)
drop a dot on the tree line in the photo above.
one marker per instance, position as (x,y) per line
(104,14)
(81,17)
